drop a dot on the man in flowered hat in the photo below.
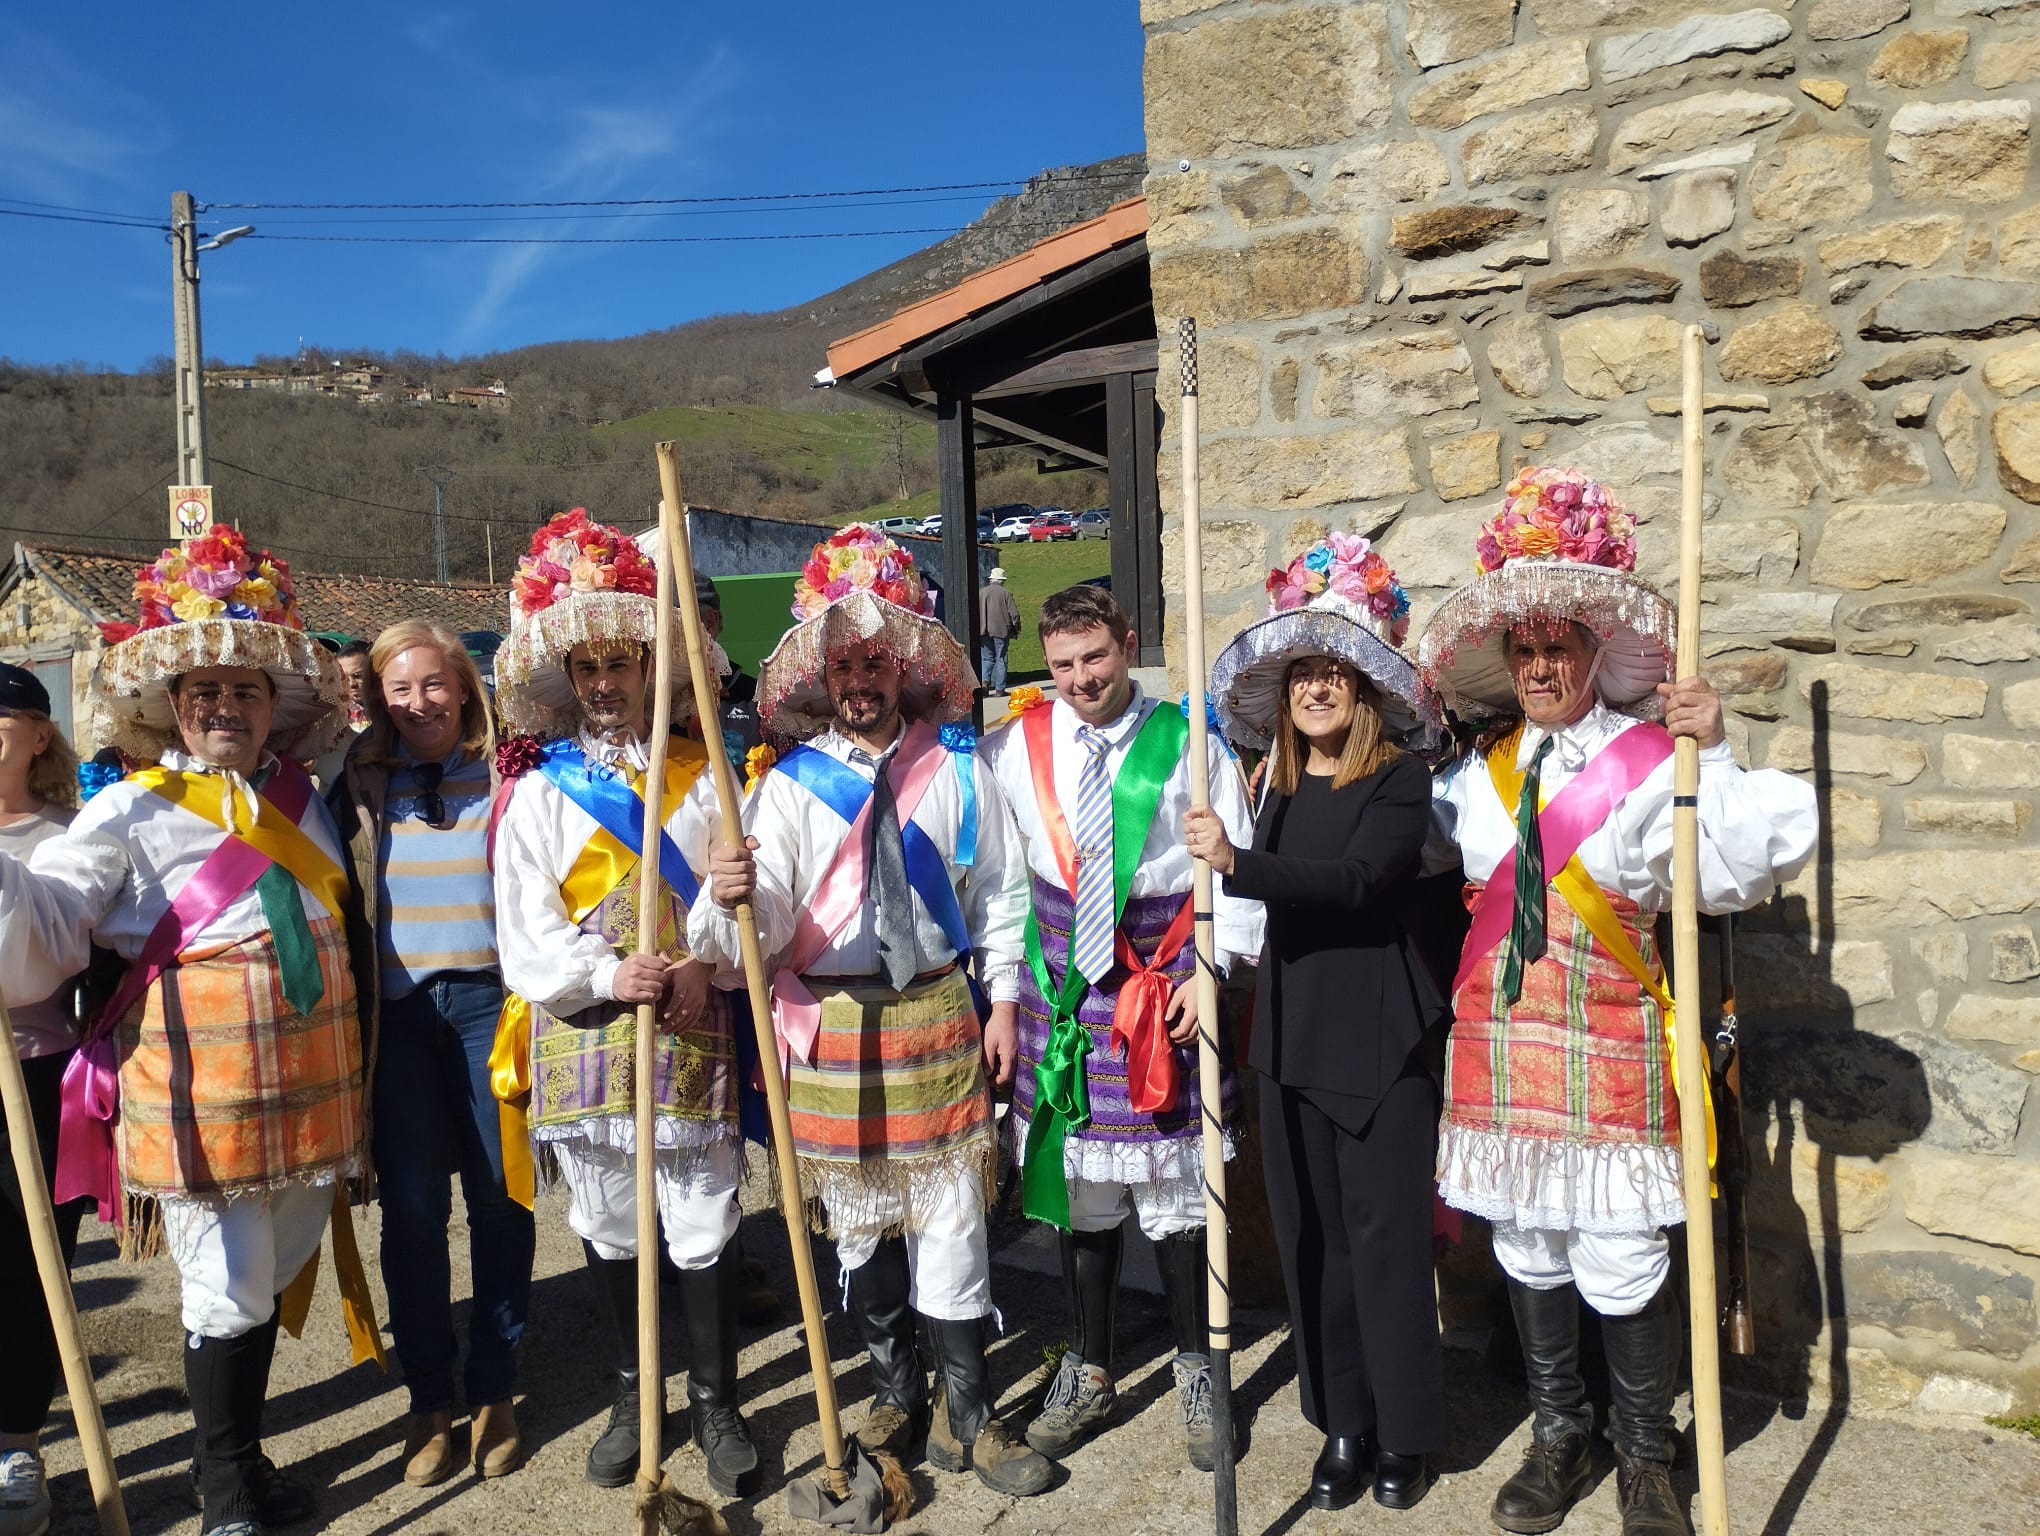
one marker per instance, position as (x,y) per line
(1561,1118)
(882,861)
(574,683)
(226,1071)
(1106,1113)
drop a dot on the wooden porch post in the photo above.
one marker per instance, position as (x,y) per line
(956,467)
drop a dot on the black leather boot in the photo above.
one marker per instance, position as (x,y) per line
(278,1497)
(1400,1482)
(964,1434)
(1643,1364)
(1342,1471)
(880,1289)
(1091,1264)
(613,1458)
(1558,1466)
(710,1296)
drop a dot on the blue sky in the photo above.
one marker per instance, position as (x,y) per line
(513,101)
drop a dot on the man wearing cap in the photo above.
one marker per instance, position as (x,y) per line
(737,693)
(227,1071)
(1561,1122)
(999,623)
(881,860)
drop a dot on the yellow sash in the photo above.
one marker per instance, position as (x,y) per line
(273,834)
(357,1304)
(1583,894)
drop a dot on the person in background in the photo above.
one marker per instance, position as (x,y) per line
(738,693)
(356,667)
(413,808)
(999,623)
(38,798)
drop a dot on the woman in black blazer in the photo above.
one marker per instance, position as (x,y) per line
(1348,1037)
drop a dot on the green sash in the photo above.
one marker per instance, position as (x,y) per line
(1062,1103)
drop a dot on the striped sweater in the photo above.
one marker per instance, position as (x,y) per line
(438,901)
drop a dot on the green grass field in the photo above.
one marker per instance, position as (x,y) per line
(809,442)
(1033,571)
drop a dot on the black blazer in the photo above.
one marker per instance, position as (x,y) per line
(1344,998)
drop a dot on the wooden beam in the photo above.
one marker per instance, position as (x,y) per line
(1087,365)
(1150,614)
(956,469)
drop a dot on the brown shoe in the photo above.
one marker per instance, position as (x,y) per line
(499,1450)
(428,1449)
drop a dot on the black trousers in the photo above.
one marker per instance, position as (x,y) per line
(1352,1218)
(30,1380)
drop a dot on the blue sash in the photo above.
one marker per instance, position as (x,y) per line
(607,796)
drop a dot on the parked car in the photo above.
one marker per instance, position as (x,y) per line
(931,527)
(1014,529)
(1094,524)
(1051,526)
(897,525)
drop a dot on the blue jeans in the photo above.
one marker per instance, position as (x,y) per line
(435,1116)
(993,654)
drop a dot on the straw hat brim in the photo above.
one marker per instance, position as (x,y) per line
(130,689)
(534,692)
(937,679)
(1247,679)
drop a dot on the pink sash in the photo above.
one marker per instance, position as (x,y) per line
(90,1101)
(1573,815)
(796,1015)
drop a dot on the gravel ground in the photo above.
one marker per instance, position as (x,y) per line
(341,1427)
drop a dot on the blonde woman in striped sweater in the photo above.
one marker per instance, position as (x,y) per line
(414,808)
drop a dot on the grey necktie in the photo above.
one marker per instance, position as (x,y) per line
(892,899)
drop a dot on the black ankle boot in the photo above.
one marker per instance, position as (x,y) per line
(613,1458)
(710,1296)
(1091,1264)
(1342,1471)
(1643,1364)
(1400,1482)
(1558,1466)
(880,1292)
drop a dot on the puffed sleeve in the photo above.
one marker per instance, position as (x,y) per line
(995,896)
(50,904)
(1239,925)
(772,814)
(546,957)
(1757,830)
(1448,809)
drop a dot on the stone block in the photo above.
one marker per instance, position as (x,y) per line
(1299,272)
(1622,453)
(1986,762)
(1912,60)
(1466,466)
(1996,643)
(1556,16)
(1960,151)
(2015,371)
(2014,61)
(1976,1103)
(1797,620)
(2015,435)
(1789,977)
(1710,403)
(1229,382)
(1594,223)
(1432,550)
(1946,1391)
(1894,760)
(1838,20)
(1942,1297)
(1865,547)
(1631,54)
(1612,355)
(2021,704)
(1956,427)
(1912,614)
(1547,143)
(1730,280)
(1697,206)
(2018,241)
(1772,466)
(1858,1093)
(1764,551)
(1517,354)
(1229,545)
(1417,374)
(2024,564)
(2009,1020)
(1910,409)
(1575,292)
(1791,343)
(1916,364)
(1292,78)
(2014,956)
(1284,379)
(1400,171)
(1805,182)
(2007,819)
(1358,463)
(1737,676)
(1700,122)
(1883,645)
(1986,1200)
(1829,93)
(1530,73)
(1446,31)
(1918,242)
(1433,232)
(1856,456)
(1787,1193)
(1881,693)
(1945,955)
(1264,195)
(1973,308)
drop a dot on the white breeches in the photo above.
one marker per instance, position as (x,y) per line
(697,1198)
(1164,1207)
(948,1257)
(235,1257)
(1617,1274)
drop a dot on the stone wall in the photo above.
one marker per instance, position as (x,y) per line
(1429,240)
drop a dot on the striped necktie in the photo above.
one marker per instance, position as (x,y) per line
(1091,934)
(1526,929)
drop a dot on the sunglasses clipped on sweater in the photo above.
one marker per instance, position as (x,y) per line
(427,803)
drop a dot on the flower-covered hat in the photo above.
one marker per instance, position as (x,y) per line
(1338,598)
(860,588)
(581,583)
(1561,550)
(215,603)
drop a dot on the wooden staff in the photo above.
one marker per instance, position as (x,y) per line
(1686,1000)
(56,1284)
(836,1456)
(1217,1247)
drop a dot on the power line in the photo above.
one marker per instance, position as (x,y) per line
(552,217)
(380,506)
(111,213)
(74,218)
(160,481)
(830,234)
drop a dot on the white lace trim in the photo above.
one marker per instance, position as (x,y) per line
(1178,1159)
(1609,1188)
(620,1132)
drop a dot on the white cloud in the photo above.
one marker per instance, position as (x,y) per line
(65,134)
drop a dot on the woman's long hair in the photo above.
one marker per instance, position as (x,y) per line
(379,743)
(53,775)
(1367,748)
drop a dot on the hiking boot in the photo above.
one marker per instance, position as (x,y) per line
(24,1494)
(1081,1401)
(428,1449)
(1549,1482)
(1645,1497)
(1193,1397)
(499,1449)
(892,1430)
(1002,1464)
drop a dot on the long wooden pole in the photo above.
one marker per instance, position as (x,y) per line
(1217,1244)
(680,559)
(56,1284)
(651,1375)
(1686,999)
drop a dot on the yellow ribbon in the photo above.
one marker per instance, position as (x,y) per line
(1580,891)
(357,1303)
(273,834)
(510,1081)
(604,863)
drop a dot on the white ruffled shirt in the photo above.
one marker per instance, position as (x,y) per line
(1238,925)
(798,837)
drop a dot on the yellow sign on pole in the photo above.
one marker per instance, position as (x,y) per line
(191,511)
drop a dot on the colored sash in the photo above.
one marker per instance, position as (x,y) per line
(618,810)
(1139,1019)
(86,1165)
(796,1015)
(510,1083)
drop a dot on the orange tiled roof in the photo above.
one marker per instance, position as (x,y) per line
(980,291)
